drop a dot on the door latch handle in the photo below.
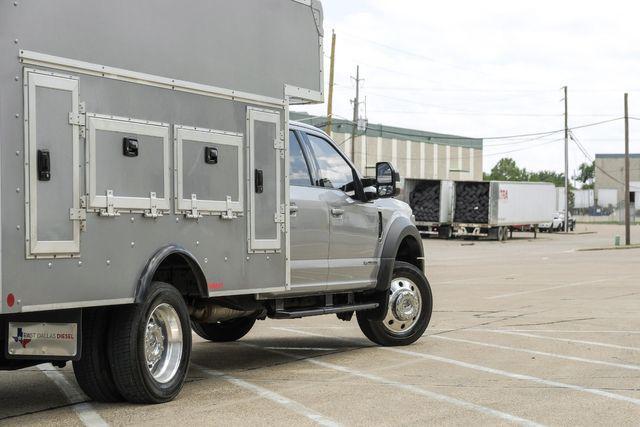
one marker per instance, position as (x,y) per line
(337,212)
(44,165)
(293,208)
(259,182)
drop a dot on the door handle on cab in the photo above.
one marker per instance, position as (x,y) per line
(337,212)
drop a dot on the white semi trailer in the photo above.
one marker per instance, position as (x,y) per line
(496,208)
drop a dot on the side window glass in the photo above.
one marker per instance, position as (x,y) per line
(333,169)
(298,169)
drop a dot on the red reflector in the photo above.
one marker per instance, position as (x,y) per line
(217,285)
(11,299)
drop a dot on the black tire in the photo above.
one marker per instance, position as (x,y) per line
(376,331)
(127,347)
(231,330)
(93,371)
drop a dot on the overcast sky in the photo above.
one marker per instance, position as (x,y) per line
(491,68)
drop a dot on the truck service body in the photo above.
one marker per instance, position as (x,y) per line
(151,182)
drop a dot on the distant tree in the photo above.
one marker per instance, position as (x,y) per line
(507,170)
(556,178)
(586,175)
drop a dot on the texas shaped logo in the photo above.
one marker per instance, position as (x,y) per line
(21,339)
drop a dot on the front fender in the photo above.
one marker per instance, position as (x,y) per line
(400,228)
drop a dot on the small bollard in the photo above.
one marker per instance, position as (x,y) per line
(616,241)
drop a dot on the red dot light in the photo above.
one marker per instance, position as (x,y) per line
(11,299)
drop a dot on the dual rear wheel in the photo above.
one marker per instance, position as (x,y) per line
(139,353)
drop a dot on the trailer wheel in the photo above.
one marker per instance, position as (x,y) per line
(150,345)
(409,309)
(230,330)
(92,371)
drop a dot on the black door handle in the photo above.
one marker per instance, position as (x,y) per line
(259,181)
(44,165)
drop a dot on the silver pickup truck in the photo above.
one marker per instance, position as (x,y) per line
(151,184)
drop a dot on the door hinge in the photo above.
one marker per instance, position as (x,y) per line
(110,209)
(228,213)
(278,217)
(153,211)
(193,212)
(79,119)
(80,214)
(278,143)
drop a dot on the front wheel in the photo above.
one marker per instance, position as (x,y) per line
(409,309)
(150,346)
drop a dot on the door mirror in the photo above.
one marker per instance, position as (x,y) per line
(386,179)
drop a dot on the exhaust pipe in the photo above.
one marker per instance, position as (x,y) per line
(216,313)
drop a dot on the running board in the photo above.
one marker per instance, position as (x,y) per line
(295,314)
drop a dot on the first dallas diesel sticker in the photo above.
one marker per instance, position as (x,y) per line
(36,339)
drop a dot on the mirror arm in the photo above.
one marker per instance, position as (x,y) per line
(358,187)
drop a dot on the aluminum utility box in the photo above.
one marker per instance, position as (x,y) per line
(430,200)
(501,203)
(129,126)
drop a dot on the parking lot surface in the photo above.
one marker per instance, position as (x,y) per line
(529,332)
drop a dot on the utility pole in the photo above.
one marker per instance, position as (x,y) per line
(330,101)
(356,104)
(566,162)
(627,193)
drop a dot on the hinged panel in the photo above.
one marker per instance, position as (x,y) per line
(52,166)
(209,172)
(266,146)
(122,178)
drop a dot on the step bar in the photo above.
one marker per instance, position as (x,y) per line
(296,314)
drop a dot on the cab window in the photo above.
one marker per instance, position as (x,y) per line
(333,169)
(298,168)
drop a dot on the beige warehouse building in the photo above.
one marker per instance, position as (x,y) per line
(610,177)
(416,154)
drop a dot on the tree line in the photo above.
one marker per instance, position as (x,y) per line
(508,170)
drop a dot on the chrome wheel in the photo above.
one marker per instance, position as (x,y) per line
(163,343)
(405,306)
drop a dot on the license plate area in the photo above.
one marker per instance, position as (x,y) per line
(47,335)
(39,339)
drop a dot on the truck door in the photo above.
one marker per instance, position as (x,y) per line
(309,215)
(266,153)
(52,166)
(354,225)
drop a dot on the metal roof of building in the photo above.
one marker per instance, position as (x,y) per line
(617,156)
(376,130)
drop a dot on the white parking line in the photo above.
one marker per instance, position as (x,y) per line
(466,279)
(83,410)
(553,331)
(552,383)
(541,353)
(406,387)
(302,348)
(594,343)
(568,285)
(507,374)
(272,396)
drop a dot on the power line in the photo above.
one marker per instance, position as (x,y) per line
(591,159)
(453,137)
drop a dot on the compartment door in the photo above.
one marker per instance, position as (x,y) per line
(52,166)
(266,153)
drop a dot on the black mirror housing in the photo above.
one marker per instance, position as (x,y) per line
(387,178)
